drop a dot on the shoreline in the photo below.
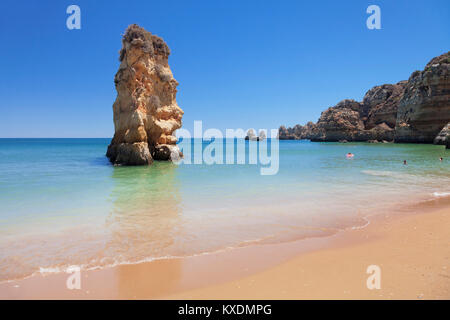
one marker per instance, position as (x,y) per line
(411,250)
(332,267)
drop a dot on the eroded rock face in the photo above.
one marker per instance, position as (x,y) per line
(381,103)
(251,135)
(409,111)
(443,136)
(298,132)
(347,121)
(287,133)
(425,106)
(341,122)
(146,113)
(372,119)
(262,136)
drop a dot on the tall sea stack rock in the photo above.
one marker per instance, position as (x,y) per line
(425,106)
(146,113)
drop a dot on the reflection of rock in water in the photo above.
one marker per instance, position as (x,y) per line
(145,214)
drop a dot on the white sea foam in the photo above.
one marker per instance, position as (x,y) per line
(89,267)
(51,270)
(367,222)
(441,194)
(380,173)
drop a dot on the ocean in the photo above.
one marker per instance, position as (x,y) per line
(62,203)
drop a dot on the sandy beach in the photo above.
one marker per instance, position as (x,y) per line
(412,251)
(181,151)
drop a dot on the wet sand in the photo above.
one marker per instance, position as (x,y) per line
(411,249)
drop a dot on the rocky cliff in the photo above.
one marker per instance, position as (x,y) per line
(298,132)
(443,136)
(409,111)
(425,106)
(146,113)
(341,122)
(381,104)
(372,119)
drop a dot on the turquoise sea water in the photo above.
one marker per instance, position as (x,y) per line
(62,203)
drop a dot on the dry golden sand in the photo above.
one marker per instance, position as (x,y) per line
(412,251)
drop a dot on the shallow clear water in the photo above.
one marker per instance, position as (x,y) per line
(62,203)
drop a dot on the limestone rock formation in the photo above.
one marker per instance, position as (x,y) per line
(146,113)
(341,122)
(425,106)
(250,135)
(409,111)
(372,119)
(253,137)
(298,132)
(444,136)
(349,119)
(261,136)
(381,104)
(286,133)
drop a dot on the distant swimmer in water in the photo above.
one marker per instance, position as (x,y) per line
(350,155)
(404,162)
(440,159)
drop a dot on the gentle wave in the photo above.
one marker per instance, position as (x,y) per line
(45,271)
(69,268)
(379,173)
(441,194)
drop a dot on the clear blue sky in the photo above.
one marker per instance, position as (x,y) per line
(240,64)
